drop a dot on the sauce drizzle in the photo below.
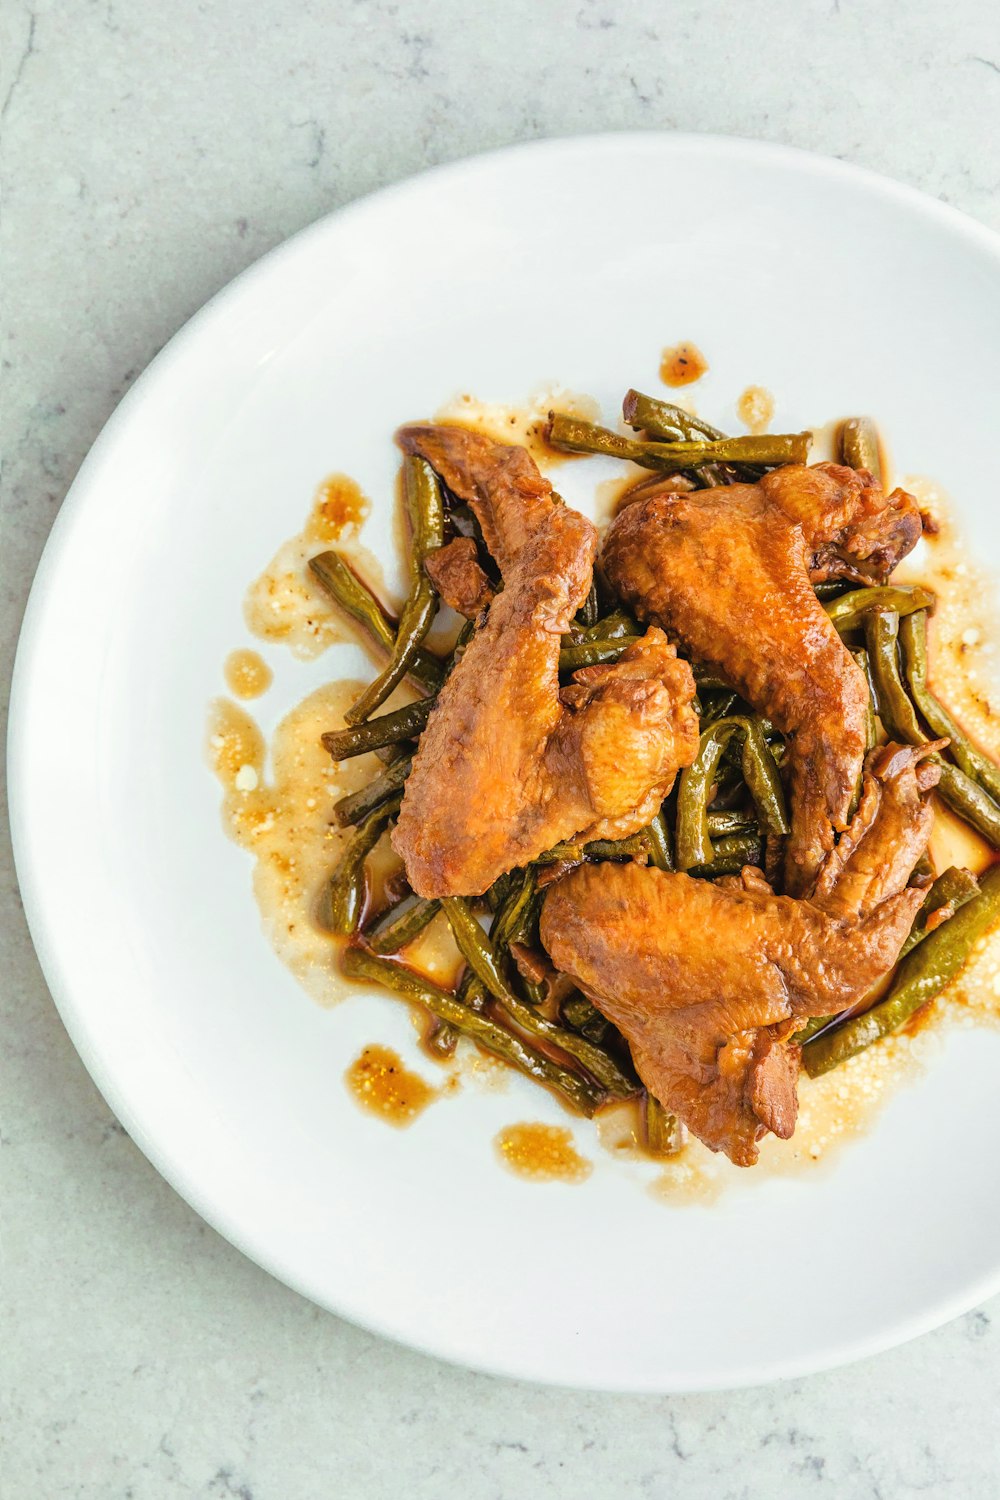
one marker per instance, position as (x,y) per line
(382,1084)
(541,1153)
(682,365)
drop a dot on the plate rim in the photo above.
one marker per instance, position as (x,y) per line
(84,1034)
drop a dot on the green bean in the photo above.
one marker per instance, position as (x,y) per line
(964,795)
(913,644)
(356,599)
(574,436)
(831,588)
(920,978)
(356,805)
(658,838)
(849,611)
(953,888)
(401,924)
(859,445)
(358,963)
(587,614)
(729,856)
(425,511)
(593,653)
(585,1018)
(722,823)
(664,1135)
(871,718)
(662,419)
(388,729)
(708,680)
(694,844)
(719,708)
(895,709)
(614,625)
(344,897)
(478,953)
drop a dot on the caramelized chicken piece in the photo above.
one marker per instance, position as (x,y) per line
(508,764)
(708,982)
(728,572)
(455,572)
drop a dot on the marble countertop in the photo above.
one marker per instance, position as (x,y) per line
(149,152)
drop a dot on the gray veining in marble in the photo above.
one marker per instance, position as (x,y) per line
(150,151)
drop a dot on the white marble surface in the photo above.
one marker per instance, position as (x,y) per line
(149,152)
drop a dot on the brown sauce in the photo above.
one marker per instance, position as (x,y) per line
(524,425)
(247,674)
(755,408)
(682,365)
(382,1085)
(542,1153)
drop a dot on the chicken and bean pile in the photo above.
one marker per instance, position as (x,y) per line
(671,790)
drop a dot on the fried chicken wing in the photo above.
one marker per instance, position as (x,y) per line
(508,764)
(728,573)
(708,981)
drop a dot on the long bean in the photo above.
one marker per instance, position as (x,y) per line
(356,599)
(478,953)
(662,419)
(388,729)
(694,843)
(730,853)
(357,805)
(425,512)
(913,644)
(588,613)
(585,1018)
(964,795)
(664,1134)
(871,718)
(850,610)
(580,1093)
(593,653)
(859,445)
(574,436)
(401,924)
(344,897)
(920,978)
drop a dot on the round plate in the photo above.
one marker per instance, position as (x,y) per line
(569,262)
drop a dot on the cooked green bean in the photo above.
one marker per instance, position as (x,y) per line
(722,823)
(871,719)
(831,589)
(657,836)
(574,436)
(662,419)
(719,707)
(478,953)
(964,795)
(356,599)
(859,445)
(388,729)
(344,897)
(850,610)
(913,643)
(895,709)
(614,625)
(694,843)
(920,978)
(358,963)
(585,1018)
(730,854)
(425,512)
(401,924)
(593,653)
(664,1135)
(357,805)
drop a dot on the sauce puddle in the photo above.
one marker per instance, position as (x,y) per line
(383,1085)
(682,365)
(541,1153)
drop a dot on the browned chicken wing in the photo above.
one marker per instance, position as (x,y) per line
(455,572)
(728,572)
(708,981)
(508,765)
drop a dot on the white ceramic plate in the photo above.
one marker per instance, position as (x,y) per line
(573,262)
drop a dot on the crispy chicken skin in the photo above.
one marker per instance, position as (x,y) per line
(728,572)
(508,765)
(707,981)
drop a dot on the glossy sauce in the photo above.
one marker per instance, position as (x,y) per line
(247,674)
(382,1085)
(542,1153)
(755,408)
(682,365)
(524,425)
